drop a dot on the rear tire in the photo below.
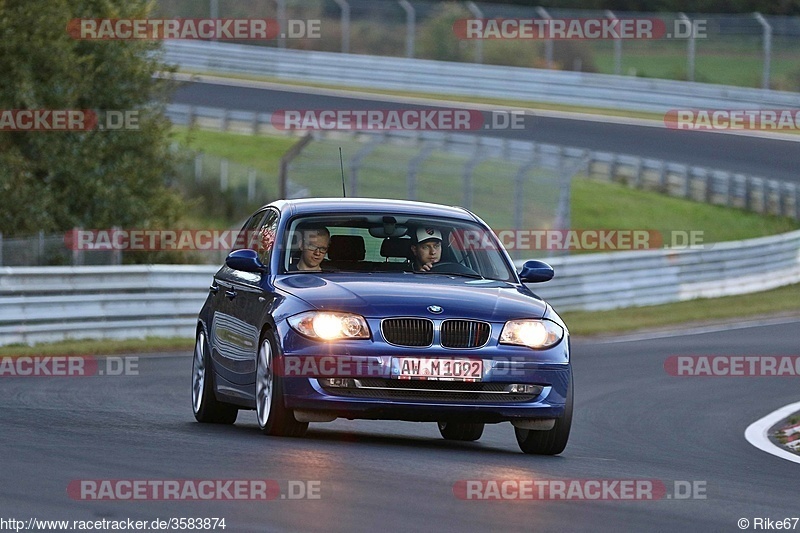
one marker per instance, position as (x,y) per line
(464,431)
(206,407)
(273,416)
(552,441)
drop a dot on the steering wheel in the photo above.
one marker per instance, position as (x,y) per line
(451,267)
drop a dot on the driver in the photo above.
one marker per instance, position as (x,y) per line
(313,247)
(426,248)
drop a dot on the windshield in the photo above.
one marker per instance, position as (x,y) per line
(402,244)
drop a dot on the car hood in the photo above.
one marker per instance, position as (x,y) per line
(377,296)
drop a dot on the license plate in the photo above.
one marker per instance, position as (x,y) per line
(438,369)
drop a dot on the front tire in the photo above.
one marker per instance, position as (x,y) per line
(552,441)
(206,407)
(463,431)
(273,416)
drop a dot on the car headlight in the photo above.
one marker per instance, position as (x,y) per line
(325,325)
(532,333)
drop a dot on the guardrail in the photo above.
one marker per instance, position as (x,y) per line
(467,79)
(45,304)
(41,304)
(595,282)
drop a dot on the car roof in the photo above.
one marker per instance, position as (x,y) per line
(356,205)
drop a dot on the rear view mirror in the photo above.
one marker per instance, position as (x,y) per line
(534,271)
(246,260)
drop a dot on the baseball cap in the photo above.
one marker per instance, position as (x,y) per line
(426,234)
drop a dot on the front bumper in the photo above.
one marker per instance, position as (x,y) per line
(457,402)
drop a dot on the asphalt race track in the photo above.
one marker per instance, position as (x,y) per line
(632,421)
(756,156)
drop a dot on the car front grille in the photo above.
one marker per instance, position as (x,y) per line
(464,333)
(429,390)
(408,331)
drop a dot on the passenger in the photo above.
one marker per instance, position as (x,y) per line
(426,248)
(313,247)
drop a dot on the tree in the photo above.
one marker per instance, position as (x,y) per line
(57,180)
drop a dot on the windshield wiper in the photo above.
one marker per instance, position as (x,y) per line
(445,273)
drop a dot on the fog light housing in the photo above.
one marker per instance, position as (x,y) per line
(524,388)
(338,382)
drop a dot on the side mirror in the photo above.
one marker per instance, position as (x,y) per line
(246,260)
(534,271)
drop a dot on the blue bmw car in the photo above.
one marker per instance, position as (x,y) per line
(382,310)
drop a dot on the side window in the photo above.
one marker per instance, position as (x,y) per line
(265,236)
(247,236)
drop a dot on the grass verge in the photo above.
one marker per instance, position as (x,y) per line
(101,347)
(602,205)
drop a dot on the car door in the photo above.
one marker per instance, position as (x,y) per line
(253,296)
(232,337)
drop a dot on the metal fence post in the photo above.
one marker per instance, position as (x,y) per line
(796,202)
(291,153)
(691,50)
(223,175)
(213,11)
(662,176)
(1,248)
(519,189)
(116,254)
(411,26)
(413,169)
(709,186)
(345,25)
(198,166)
(638,168)
(617,46)
(281,8)
(477,13)
(548,43)
(251,185)
(566,172)
(355,161)
(469,170)
(40,248)
(77,253)
(612,168)
(256,127)
(687,178)
(767,48)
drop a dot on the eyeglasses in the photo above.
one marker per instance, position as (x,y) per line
(315,249)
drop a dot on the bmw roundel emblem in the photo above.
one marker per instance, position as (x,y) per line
(435,309)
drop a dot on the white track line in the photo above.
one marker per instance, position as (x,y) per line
(756,433)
